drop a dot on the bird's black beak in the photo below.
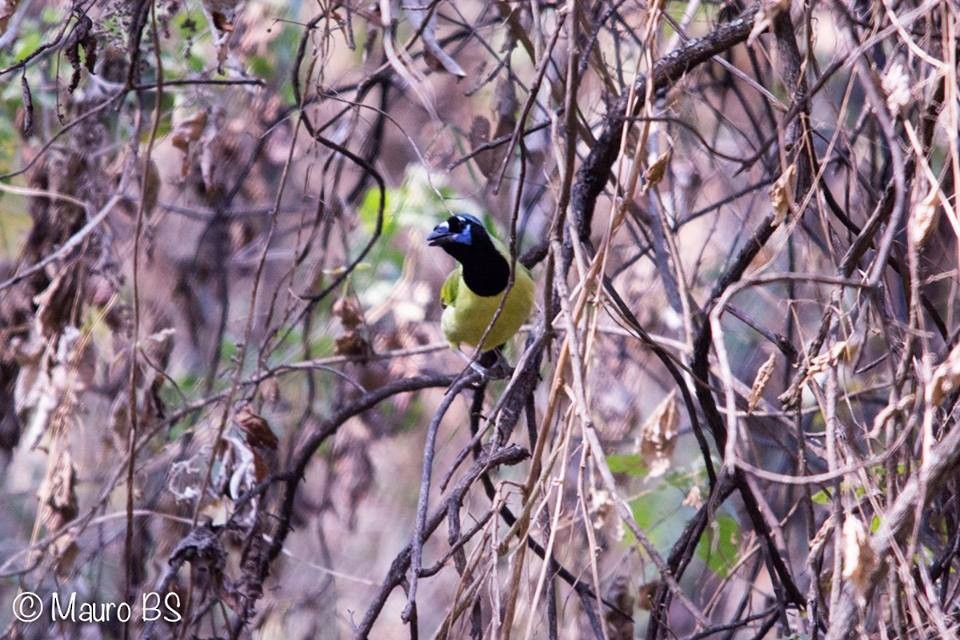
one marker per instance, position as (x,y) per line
(439,235)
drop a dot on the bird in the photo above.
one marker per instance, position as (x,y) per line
(473,291)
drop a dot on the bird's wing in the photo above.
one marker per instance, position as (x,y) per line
(448,292)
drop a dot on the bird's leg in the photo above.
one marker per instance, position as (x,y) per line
(491,365)
(476,366)
(496,363)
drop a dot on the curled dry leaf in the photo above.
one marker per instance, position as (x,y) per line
(349,312)
(156,349)
(945,379)
(57,493)
(187,132)
(859,559)
(203,549)
(222,16)
(352,341)
(896,84)
(48,386)
(58,507)
(768,11)
(658,169)
(151,188)
(760,382)
(244,456)
(80,36)
(27,127)
(645,593)
(822,536)
(694,497)
(255,429)
(620,593)
(7,9)
(601,508)
(924,218)
(781,194)
(659,435)
(842,351)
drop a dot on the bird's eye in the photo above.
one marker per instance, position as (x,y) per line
(454,225)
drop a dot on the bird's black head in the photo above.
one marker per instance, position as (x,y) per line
(458,234)
(463,236)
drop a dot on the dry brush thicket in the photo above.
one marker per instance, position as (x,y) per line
(733,414)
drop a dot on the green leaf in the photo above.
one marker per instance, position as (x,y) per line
(821,497)
(27,44)
(260,66)
(628,463)
(656,513)
(370,208)
(719,546)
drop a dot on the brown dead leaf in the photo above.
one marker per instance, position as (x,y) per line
(645,593)
(760,382)
(255,429)
(945,379)
(659,435)
(58,507)
(658,169)
(781,194)
(26,124)
(188,130)
(7,9)
(221,22)
(694,497)
(151,188)
(925,215)
(823,534)
(351,343)
(896,84)
(859,559)
(349,312)
(222,17)
(602,510)
(185,133)
(842,351)
(58,493)
(620,593)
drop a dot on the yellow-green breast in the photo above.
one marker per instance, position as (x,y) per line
(467,315)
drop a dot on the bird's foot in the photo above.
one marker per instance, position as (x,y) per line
(500,370)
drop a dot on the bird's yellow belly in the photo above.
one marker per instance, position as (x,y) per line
(467,320)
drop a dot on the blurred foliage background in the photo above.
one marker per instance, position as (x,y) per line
(212,222)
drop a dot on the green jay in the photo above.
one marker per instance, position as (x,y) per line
(472,292)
